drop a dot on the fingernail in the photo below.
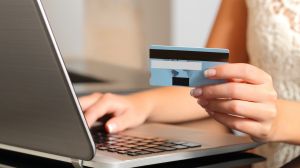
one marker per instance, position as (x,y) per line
(112,127)
(196,92)
(210,73)
(192,92)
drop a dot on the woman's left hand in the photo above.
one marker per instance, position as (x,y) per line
(246,103)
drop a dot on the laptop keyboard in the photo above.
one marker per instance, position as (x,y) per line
(136,146)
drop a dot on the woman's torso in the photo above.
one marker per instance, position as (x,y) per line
(273,44)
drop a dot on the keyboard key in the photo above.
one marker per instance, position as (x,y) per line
(192,145)
(141,143)
(100,145)
(151,145)
(168,144)
(112,150)
(148,141)
(123,148)
(111,142)
(138,139)
(164,148)
(122,152)
(141,147)
(120,140)
(112,146)
(153,150)
(135,146)
(144,153)
(177,142)
(120,144)
(130,145)
(180,147)
(126,137)
(134,150)
(132,142)
(102,148)
(132,154)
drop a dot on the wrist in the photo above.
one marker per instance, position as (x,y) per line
(280,125)
(275,134)
(143,103)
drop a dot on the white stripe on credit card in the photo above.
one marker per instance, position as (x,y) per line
(195,66)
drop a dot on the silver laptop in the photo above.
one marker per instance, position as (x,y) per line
(40,114)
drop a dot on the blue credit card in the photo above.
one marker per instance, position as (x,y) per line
(184,66)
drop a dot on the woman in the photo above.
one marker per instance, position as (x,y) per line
(261,99)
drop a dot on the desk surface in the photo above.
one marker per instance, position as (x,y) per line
(10,159)
(236,160)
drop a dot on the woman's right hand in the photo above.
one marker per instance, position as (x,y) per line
(127,111)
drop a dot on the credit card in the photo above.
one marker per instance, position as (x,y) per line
(184,66)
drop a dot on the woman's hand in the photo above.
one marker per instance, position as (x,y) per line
(126,110)
(246,103)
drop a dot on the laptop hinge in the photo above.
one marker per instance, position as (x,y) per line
(77,163)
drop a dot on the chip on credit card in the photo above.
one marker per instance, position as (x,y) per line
(184,66)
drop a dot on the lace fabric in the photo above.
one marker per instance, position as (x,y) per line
(289,10)
(273,44)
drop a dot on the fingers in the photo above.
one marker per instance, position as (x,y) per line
(246,72)
(105,105)
(247,102)
(253,128)
(87,101)
(240,91)
(121,122)
(124,112)
(250,110)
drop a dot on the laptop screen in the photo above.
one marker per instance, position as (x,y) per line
(39,110)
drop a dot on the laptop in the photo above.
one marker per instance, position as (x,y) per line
(41,116)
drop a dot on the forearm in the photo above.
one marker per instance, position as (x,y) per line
(229,30)
(288,122)
(170,105)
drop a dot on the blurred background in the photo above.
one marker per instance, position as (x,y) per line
(119,32)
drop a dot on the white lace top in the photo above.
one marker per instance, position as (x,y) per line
(273,44)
